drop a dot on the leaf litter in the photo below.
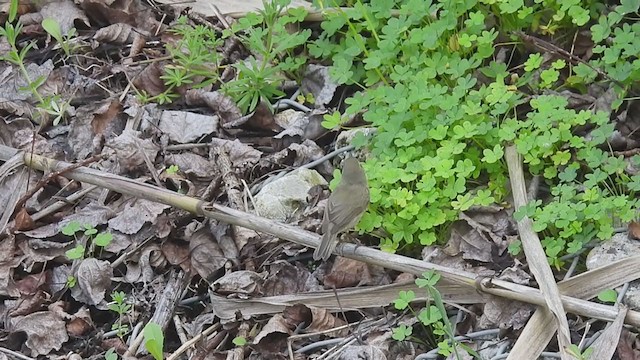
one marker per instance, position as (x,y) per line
(216,278)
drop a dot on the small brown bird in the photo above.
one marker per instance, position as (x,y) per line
(345,207)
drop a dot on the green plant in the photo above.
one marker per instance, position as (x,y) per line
(590,193)
(154,340)
(120,306)
(52,27)
(173,169)
(433,317)
(617,46)
(195,60)
(265,34)
(51,105)
(91,233)
(578,354)
(239,341)
(111,354)
(438,151)
(71,281)
(608,296)
(432,144)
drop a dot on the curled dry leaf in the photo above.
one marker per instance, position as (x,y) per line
(285,278)
(176,253)
(93,280)
(23,220)
(131,151)
(628,347)
(17,108)
(193,165)
(273,333)
(149,79)
(140,268)
(241,155)
(468,241)
(116,34)
(65,13)
(282,325)
(135,213)
(346,273)
(260,119)
(106,12)
(27,304)
(505,313)
(323,320)
(80,323)
(115,343)
(239,282)
(221,104)
(15,87)
(45,331)
(30,284)
(183,126)
(37,251)
(206,256)
(634,230)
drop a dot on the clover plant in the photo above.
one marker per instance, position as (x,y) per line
(445,106)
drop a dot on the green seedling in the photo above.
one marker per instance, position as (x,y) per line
(154,340)
(120,306)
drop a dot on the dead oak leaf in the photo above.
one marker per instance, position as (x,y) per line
(45,331)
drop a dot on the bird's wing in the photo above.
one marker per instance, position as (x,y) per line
(344,216)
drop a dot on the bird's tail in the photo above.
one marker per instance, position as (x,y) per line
(329,242)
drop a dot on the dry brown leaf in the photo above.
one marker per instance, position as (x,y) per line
(193,165)
(30,284)
(141,267)
(14,86)
(130,152)
(135,213)
(260,119)
(45,331)
(628,346)
(65,13)
(634,230)
(93,280)
(242,282)
(241,155)
(27,304)
(176,253)
(80,323)
(505,314)
(184,127)
(273,334)
(37,251)
(17,107)
(221,104)
(206,256)
(116,34)
(149,79)
(132,12)
(347,273)
(317,81)
(23,220)
(469,242)
(285,278)
(323,320)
